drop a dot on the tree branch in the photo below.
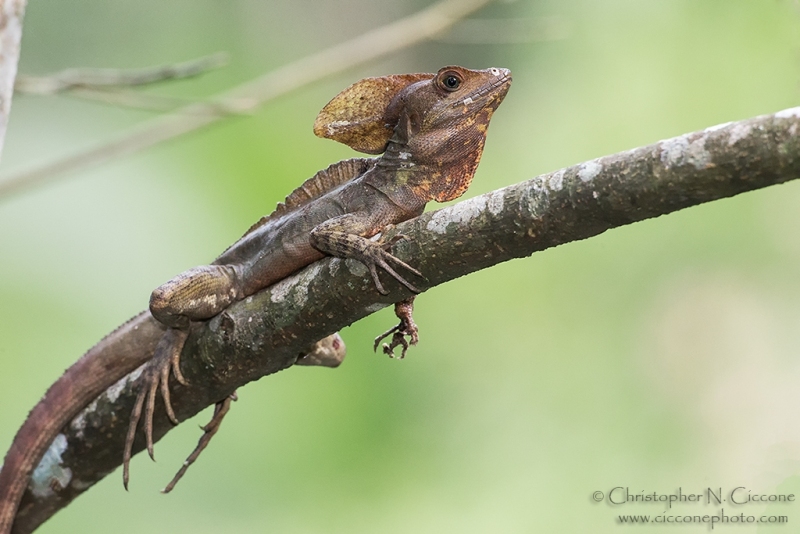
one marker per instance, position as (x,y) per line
(11,13)
(265,333)
(112,86)
(69,79)
(247,97)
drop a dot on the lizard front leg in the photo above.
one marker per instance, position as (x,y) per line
(343,237)
(407,327)
(196,294)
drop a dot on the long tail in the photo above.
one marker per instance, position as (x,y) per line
(115,356)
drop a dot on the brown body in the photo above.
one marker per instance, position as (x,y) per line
(430,129)
(258,263)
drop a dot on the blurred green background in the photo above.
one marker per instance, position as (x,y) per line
(656,356)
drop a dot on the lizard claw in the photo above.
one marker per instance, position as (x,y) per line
(333,237)
(398,340)
(126,455)
(407,327)
(387,244)
(155,377)
(150,386)
(377,256)
(373,271)
(220,410)
(164,381)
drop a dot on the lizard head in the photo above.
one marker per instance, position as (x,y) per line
(367,114)
(453,100)
(442,125)
(436,123)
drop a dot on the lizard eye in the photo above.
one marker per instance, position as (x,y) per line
(450,81)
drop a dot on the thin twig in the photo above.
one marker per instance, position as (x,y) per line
(112,86)
(246,97)
(68,79)
(129,99)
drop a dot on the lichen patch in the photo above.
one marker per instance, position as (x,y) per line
(536,198)
(49,476)
(717,127)
(588,171)
(295,286)
(681,151)
(115,391)
(333,266)
(355,267)
(457,214)
(78,423)
(495,202)
(556,180)
(739,132)
(791,113)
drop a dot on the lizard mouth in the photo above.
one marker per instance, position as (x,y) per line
(497,89)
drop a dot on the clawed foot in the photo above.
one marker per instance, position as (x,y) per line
(154,377)
(378,255)
(220,410)
(398,334)
(407,327)
(343,237)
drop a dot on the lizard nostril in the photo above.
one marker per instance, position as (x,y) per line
(495,71)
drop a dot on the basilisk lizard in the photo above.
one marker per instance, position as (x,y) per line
(430,130)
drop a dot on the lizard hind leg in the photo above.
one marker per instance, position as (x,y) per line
(221,409)
(154,377)
(194,295)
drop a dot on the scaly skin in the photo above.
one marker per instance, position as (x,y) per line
(430,130)
(99,368)
(116,355)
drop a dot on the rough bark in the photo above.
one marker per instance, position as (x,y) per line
(265,333)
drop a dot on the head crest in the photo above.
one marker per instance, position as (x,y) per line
(361,116)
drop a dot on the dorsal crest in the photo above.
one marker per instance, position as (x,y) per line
(316,186)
